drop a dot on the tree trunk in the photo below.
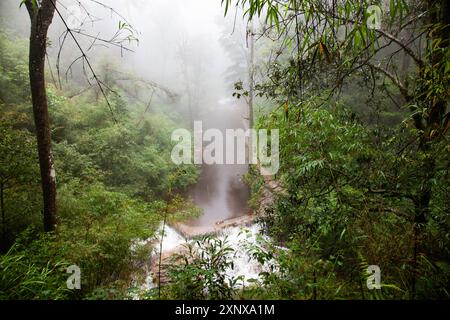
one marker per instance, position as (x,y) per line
(41,18)
(251,76)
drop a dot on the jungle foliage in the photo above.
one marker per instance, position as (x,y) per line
(363,116)
(113,184)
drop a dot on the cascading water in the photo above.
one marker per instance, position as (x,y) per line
(240,239)
(220,190)
(222,194)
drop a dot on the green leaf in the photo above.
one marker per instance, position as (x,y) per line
(227,4)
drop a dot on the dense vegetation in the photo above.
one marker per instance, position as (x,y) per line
(363,119)
(350,205)
(113,185)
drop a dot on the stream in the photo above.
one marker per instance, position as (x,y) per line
(222,195)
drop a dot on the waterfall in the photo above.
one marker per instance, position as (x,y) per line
(239,238)
(223,195)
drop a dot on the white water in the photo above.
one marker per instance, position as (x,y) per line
(241,239)
(171,240)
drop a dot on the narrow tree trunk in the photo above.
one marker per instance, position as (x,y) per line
(191,113)
(41,18)
(251,76)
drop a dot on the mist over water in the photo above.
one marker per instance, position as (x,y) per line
(181,48)
(221,191)
(183,41)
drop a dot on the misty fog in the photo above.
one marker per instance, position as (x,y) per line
(332,181)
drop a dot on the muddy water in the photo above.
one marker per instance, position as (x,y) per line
(220,190)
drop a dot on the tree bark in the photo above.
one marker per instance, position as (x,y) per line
(251,76)
(41,17)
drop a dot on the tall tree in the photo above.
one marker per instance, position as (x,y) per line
(41,16)
(251,73)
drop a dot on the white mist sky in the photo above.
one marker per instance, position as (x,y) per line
(163,25)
